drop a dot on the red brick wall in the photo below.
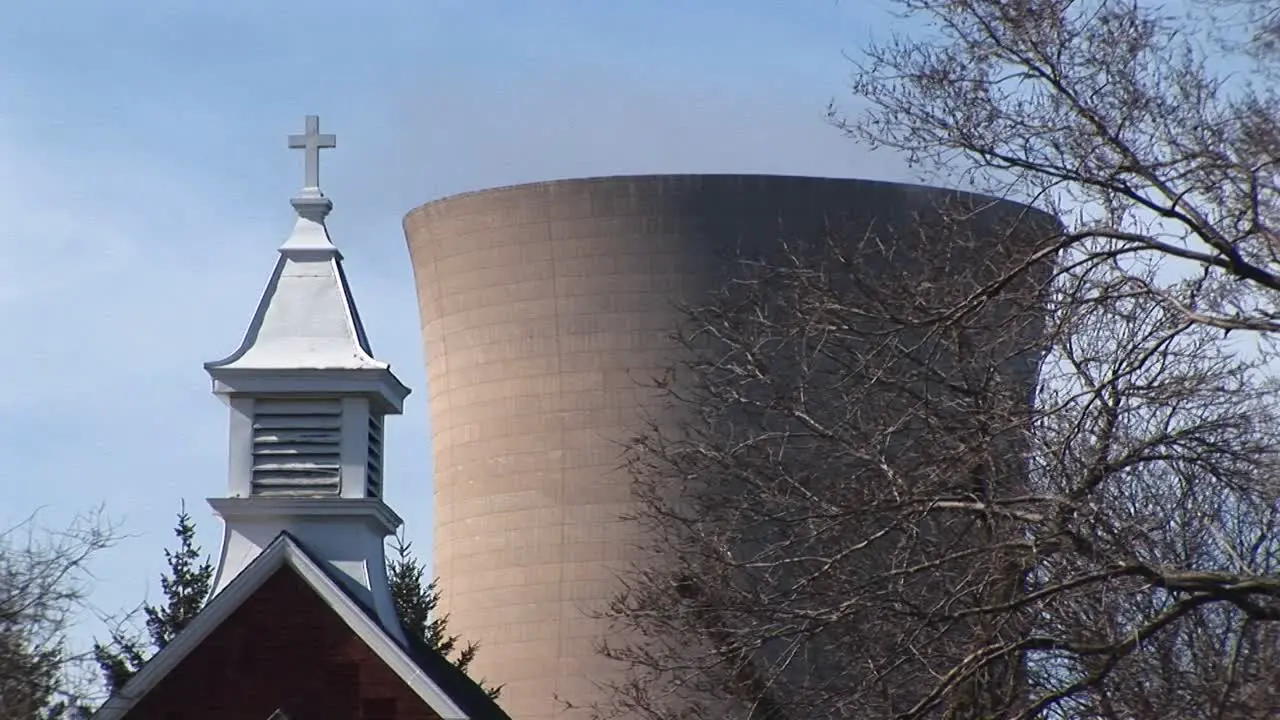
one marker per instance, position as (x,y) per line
(284,648)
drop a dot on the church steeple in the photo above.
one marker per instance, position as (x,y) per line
(307,400)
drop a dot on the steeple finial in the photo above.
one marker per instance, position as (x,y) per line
(311,203)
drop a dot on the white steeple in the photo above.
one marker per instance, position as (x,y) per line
(307,401)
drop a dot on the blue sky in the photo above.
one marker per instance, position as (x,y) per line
(144,185)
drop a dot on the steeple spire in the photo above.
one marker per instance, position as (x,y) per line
(307,399)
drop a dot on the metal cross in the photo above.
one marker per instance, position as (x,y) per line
(312,141)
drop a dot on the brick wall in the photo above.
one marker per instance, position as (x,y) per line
(284,648)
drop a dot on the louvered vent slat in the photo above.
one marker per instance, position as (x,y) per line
(373,469)
(297,447)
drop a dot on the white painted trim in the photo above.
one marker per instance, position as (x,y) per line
(282,551)
(240,457)
(375,637)
(354,448)
(379,384)
(375,509)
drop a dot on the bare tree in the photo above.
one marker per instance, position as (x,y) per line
(1029,474)
(42,586)
(1249,26)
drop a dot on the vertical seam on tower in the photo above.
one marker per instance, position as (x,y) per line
(555,315)
(447,396)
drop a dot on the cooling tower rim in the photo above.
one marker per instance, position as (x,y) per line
(676,177)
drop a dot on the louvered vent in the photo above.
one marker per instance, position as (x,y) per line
(297,447)
(373,473)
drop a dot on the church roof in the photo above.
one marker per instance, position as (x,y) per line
(440,685)
(466,692)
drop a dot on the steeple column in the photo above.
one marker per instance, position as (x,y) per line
(307,400)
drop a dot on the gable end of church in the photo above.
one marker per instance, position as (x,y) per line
(285,652)
(287,638)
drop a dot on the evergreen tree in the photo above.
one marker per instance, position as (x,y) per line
(186,587)
(416,603)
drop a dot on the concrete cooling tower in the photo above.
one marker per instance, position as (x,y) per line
(542,305)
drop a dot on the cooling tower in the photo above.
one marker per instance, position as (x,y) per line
(542,305)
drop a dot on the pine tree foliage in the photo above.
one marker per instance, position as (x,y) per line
(416,603)
(186,588)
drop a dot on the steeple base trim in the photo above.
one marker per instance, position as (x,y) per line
(347,534)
